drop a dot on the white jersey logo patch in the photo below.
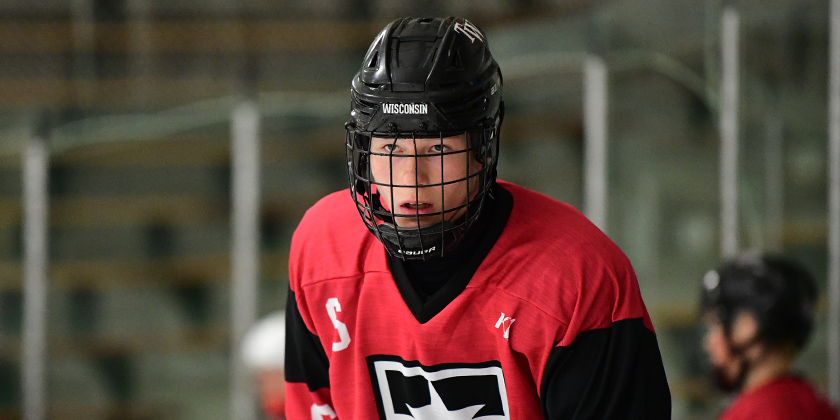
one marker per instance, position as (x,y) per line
(410,391)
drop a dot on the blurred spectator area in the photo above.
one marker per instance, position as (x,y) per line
(134,97)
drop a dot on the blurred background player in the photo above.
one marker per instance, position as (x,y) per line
(264,352)
(759,312)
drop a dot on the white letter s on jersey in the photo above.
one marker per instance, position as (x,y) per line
(332,307)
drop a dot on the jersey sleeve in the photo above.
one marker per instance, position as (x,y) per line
(608,373)
(307,370)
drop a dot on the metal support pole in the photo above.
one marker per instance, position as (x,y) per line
(729,134)
(245,267)
(774,182)
(595,131)
(834,205)
(35,215)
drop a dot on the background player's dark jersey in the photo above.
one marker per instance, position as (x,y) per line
(551,325)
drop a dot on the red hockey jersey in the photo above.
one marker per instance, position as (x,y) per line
(550,325)
(786,398)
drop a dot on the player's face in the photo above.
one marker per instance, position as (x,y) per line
(725,367)
(727,363)
(715,343)
(427,177)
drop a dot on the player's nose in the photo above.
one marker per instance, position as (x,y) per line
(411,171)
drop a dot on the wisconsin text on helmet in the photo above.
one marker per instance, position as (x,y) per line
(468,29)
(405,108)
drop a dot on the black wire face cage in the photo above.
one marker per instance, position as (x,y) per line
(440,238)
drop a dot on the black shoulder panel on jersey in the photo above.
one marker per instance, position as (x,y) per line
(611,373)
(306,360)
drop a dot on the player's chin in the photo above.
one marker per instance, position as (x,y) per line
(412,221)
(417,222)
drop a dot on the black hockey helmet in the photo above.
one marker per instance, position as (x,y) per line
(779,292)
(424,78)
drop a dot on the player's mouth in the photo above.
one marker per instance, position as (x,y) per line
(417,207)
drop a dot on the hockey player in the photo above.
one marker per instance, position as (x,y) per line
(759,313)
(456,296)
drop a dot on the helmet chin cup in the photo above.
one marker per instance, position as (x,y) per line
(419,244)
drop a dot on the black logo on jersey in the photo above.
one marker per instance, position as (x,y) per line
(410,391)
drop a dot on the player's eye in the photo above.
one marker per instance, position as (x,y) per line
(390,148)
(439,148)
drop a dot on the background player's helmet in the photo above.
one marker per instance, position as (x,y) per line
(264,344)
(779,292)
(424,78)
